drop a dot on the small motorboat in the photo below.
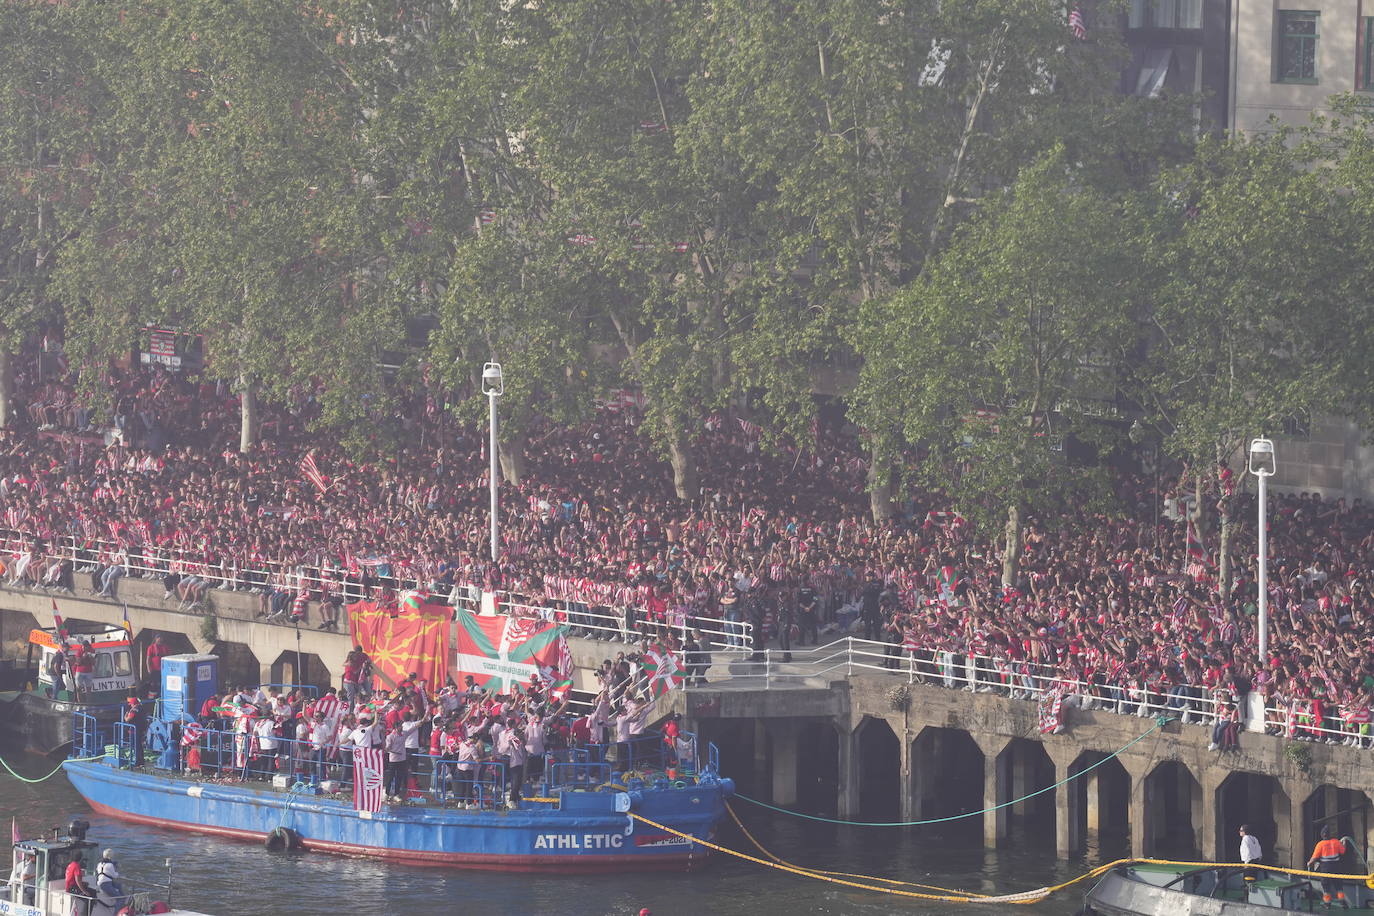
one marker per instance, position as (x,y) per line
(1147,889)
(37,885)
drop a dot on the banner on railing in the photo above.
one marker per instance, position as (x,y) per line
(1052,710)
(403,640)
(367,779)
(506,653)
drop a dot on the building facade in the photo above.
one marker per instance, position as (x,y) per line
(1290,56)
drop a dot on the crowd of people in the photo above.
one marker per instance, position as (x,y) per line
(458,743)
(1118,605)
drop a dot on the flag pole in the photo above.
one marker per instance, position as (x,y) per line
(300,676)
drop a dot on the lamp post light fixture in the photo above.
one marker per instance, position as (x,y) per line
(493,386)
(1262,465)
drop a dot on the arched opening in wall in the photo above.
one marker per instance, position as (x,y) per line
(1258,802)
(1023,769)
(1099,798)
(1346,811)
(880,771)
(237,664)
(1173,807)
(947,781)
(818,768)
(734,738)
(305,668)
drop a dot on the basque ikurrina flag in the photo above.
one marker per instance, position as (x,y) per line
(662,669)
(504,653)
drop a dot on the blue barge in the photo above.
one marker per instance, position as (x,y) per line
(577,818)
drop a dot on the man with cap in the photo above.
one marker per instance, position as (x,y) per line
(108,891)
(1326,857)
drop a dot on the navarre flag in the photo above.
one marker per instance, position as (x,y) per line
(503,653)
(663,670)
(367,778)
(311,470)
(413,638)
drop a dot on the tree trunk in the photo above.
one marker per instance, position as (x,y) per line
(6,388)
(248,414)
(512,458)
(684,462)
(1224,538)
(1011,556)
(880,489)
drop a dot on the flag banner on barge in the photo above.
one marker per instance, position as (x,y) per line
(505,653)
(367,779)
(413,637)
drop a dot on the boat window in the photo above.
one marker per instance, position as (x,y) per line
(123,667)
(103,667)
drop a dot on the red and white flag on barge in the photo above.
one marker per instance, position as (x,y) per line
(367,778)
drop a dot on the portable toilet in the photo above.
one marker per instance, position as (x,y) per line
(187,682)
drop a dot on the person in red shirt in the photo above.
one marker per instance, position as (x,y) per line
(154,656)
(77,888)
(83,663)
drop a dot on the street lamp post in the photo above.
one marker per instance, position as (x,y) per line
(1262,466)
(493,386)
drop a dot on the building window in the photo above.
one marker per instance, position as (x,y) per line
(1367,54)
(1165,14)
(1297,57)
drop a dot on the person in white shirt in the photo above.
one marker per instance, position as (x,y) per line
(513,746)
(469,759)
(367,734)
(534,746)
(1250,852)
(265,729)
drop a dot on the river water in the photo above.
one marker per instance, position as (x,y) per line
(229,878)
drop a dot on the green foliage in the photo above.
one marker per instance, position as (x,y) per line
(1005,348)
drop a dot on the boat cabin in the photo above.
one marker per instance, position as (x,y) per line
(38,881)
(113,673)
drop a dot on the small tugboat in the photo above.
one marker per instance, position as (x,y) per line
(579,816)
(1146,889)
(38,715)
(37,886)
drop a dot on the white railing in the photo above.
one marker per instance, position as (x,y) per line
(596,621)
(959,671)
(730,645)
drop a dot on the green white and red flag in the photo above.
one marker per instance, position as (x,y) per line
(663,670)
(561,689)
(57,621)
(503,654)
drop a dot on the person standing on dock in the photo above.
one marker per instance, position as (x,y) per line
(1250,852)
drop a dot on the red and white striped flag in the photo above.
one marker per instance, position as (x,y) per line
(1076,23)
(312,471)
(367,778)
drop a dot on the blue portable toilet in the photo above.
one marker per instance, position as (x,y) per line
(187,682)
